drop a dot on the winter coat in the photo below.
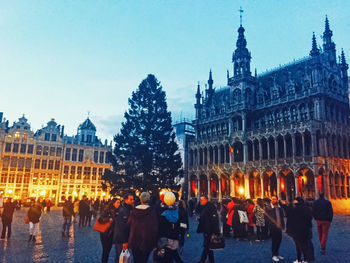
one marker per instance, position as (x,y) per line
(209,220)
(68,209)
(34,214)
(169,224)
(299,222)
(322,210)
(260,217)
(143,222)
(84,208)
(7,213)
(271,218)
(121,227)
(250,215)
(183,216)
(230,213)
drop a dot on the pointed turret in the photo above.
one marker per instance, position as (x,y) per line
(198,102)
(314,50)
(343,61)
(344,69)
(327,37)
(241,56)
(210,80)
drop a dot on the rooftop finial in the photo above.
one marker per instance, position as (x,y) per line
(240,14)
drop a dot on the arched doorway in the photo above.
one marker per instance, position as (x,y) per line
(306,183)
(193,186)
(203,185)
(320,181)
(214,186)
(254,185)
(269,183)
(239,184)
(225,186)
(287,184)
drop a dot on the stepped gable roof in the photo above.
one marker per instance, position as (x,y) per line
(87,125)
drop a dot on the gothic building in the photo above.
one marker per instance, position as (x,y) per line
(285,132)
(48,164)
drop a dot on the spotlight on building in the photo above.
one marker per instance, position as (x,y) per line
(241,190)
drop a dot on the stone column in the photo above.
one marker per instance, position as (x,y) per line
(260,150)
(296,186)
(268,150)
(245,152)
(293,146)
(278,186)
(232,187)
(285,146)
(276,149)
(303,144)
(219,154)
(315,181)
(230,127)
(246,186)
(220,193)
(262,185)
(313,145)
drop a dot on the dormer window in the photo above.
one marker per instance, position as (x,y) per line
(17,135)
(54,137)
(89,138)
(47,137)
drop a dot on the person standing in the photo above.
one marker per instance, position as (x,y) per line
(260,219)
(184,224)
(83,212)
(6,218)
(299,227)
(208,225)
(34,214)
(143,222)
(121,227)
(323,213)
(250,215)
(68,212)
(48,206)
(276,223)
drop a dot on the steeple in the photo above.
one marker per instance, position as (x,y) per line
(210,80)
(241,56)
(314,50)
(343,60)
(198,94)
(198,105)
(327,37)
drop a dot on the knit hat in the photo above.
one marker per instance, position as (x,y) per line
(169,198)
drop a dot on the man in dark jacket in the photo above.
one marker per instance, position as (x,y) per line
(208,225)
(67,212)
(6,217)
(121,226)
(323,213)
(275,218)
(83,211)
(143,222)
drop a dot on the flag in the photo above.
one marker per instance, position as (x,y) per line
(231,150)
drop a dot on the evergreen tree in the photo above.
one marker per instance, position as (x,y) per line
(145,154)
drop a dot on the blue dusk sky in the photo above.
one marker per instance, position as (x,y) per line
(62,59)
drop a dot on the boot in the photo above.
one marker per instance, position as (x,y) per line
(30,237)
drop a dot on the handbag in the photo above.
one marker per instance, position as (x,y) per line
(243,218)
(216,242)
(26,220)
(102,228)
(126,257)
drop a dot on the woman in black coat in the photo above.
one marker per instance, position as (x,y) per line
(34,214)
(183,219)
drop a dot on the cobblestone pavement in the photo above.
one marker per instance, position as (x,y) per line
(84,244)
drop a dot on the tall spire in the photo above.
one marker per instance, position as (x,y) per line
(210,80)
(240,15)
(241,56)
(198,94)
(314,50)
(327,37)
(343,63)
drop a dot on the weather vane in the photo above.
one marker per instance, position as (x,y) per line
(240,14)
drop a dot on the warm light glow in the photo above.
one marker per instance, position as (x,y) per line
(103,193)
(10,191)
(75,193)
(241,190)
(43,192)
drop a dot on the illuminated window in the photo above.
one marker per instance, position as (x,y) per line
(46,150)
(50,167)
(57,165)
(39,149)
(24,136)
(66,169)
(37,164)
(17,135)
(43,164)
(72,170)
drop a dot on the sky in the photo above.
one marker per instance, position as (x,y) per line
(66,59)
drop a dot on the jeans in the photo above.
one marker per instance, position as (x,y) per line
(322,228)
(67,221)
(107,243)
(306,248)
(82,221)
(276,237)
(33,228)
(5,225)
(259,232)
(206,251)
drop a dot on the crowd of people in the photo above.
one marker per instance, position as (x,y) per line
(150,227)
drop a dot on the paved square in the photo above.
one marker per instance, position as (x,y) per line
(84,244)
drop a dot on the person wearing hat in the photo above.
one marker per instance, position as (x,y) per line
(169,230)
(143,222)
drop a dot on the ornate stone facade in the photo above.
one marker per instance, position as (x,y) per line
(287,129)
(48,164)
